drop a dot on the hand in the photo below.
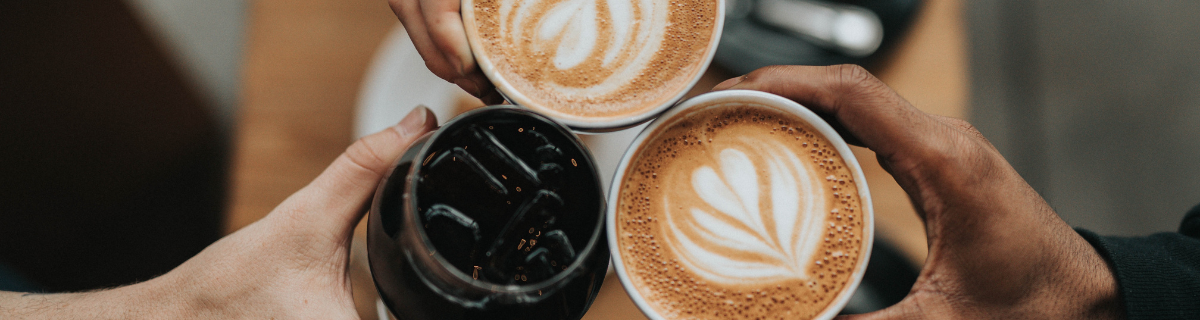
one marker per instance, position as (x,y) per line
(292,264)
(436,29)
(996,248)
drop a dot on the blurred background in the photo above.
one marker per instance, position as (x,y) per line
(134,133)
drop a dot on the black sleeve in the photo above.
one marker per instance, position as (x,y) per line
(1158,275)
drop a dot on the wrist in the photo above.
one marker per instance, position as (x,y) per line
(152,299)
(1103,300)
(139,301)
(1085,286)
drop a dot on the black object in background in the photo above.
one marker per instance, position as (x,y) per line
(888,279)
(111,165)
(748,43)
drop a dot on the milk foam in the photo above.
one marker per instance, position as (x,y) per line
(619,34)
(594,58)
(739,212)
(733,219)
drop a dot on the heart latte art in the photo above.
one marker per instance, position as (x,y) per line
(592,59)
(739,211)
(710,238)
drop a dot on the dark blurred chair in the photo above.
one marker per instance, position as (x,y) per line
(112,168)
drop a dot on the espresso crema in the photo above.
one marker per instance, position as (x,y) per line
(739,211)
(592,60)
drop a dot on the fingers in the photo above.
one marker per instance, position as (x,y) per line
(335,201)
(909,308)
(436,30)
(409,12)
(492,97)
(479,86)
(445,26)
(852,98)
(892,313)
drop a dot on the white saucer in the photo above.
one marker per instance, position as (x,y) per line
(397,81)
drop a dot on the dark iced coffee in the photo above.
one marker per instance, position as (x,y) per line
(496,215)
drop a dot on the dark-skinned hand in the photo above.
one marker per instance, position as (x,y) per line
(436,29)
(997,250)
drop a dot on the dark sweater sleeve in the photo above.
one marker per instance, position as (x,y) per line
(1158,275)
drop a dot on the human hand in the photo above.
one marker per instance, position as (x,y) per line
(436,29)
(996,248)
(292,264)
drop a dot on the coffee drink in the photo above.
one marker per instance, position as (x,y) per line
(592,62)
(741,210)
(496,215)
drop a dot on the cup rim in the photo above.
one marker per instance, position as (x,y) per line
(575,122)
(712,100)
(572,270)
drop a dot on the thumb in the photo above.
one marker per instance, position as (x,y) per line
(336,200)
(861,107)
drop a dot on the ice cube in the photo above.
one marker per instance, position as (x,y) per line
(546,151)
(439,211)
(551,253)
(551,175)
(490,143)
(454,232)
(520,235)
(537,265)
(560,247)
(458,154)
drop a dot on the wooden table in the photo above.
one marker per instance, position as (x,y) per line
(305,60)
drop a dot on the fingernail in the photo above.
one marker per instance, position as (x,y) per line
(468,85)
(414,121)
(729,83)
(485,86)
(457,64)
(492,98)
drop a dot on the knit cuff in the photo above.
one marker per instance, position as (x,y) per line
(1158,275)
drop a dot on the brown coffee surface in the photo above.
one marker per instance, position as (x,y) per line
(667,223)
(527,64)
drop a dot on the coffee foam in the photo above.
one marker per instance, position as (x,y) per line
(739,211)
(596,59)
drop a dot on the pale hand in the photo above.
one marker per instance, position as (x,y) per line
(292,264)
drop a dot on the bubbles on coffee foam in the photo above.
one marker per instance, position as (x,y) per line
(575,24)
(678,286)
(591,58)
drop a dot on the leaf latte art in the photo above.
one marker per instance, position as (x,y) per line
(739,211)
(592,58)
(733,220)
(570,32)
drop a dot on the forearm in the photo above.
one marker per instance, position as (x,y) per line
(139,301)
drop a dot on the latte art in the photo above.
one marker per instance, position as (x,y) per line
(734,221)
(593,46)
(590,60)
(570,32)
(739,211)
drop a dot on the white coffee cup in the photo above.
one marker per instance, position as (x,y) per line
(716,99)
(577,122)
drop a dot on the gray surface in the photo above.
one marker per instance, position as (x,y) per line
(1096,103)
(205,38)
